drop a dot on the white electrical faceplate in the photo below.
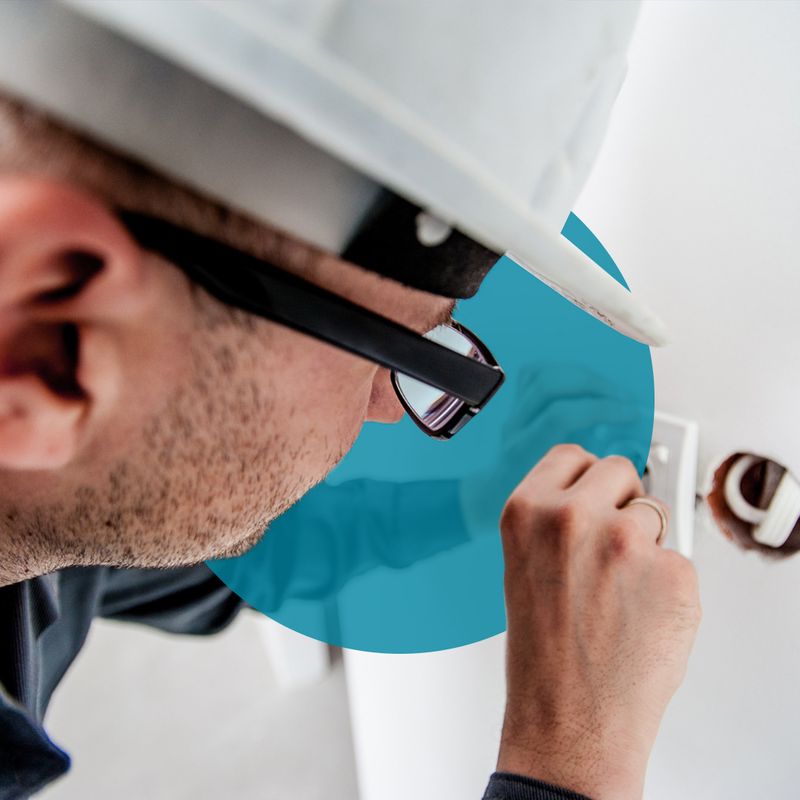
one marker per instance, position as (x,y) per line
(671,476)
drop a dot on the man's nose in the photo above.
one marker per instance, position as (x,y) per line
(383,403)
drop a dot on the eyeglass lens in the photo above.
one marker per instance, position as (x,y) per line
(434,408)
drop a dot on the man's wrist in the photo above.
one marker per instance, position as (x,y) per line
(596,772)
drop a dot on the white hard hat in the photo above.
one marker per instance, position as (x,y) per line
(480,117)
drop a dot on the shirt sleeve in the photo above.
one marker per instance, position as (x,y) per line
(508,786)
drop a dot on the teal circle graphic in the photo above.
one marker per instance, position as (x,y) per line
(399,551)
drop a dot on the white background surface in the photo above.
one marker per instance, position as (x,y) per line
(151,715)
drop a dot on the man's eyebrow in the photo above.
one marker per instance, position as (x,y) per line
(443,316)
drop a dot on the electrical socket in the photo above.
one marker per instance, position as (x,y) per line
(671,476)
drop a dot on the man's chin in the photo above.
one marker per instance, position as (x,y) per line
(238,548)
(250,540)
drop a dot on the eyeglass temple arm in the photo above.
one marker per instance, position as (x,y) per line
(260,288)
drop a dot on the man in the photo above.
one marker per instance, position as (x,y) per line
(148,423)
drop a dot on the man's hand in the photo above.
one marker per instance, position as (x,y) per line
(601,621)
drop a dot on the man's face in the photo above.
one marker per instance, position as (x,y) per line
(143,422)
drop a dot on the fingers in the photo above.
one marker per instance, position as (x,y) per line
(569,476)
(561,466)
(610,483)
(613,484)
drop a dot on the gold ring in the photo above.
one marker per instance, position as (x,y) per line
(658,508)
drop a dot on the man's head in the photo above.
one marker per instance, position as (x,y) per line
(143,422)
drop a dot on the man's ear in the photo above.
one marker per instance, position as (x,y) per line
(69,276)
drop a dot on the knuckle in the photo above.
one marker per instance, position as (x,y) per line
(622,463)
(566,518)
(619,526)
(520,506)
(518,515)
(558,522)
(621,538)
(567,450)
(624,466)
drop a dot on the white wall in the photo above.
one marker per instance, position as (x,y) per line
(146,714)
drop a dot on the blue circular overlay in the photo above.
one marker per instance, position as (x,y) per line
(399,551)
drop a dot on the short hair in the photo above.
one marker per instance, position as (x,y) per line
(35,143)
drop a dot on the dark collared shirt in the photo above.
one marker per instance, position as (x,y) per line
(44,623)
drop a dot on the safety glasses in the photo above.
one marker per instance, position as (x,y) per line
(442,379)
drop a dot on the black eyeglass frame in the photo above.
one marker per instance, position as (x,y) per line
(464,414)
(257,286)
